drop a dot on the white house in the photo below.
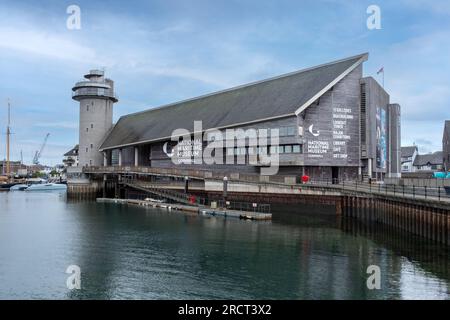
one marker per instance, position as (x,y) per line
(409,155)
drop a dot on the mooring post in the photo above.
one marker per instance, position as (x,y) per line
(104,186)
(186,184)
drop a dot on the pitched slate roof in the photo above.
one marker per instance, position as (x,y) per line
(432,159)
(408,151)
(72,152)
(269,99)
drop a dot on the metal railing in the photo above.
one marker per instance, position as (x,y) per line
(415,192)
(195,200)
(439,193)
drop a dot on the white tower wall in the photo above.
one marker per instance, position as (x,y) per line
(96,97)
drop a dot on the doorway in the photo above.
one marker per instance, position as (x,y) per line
(335,175)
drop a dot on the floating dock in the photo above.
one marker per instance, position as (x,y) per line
(249,215)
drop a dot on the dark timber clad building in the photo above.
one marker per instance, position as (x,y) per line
(333,124)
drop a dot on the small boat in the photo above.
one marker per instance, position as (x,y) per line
(47,187)
(7,185)
(18,187)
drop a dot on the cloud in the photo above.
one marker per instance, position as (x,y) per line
(164,52)
(36,42)
(417,71)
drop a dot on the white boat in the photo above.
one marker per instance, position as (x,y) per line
(47,187)
(18,187)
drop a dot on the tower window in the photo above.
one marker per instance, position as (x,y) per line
(92,146)
(87,150)
(87,108)
(92,126)
(87,129)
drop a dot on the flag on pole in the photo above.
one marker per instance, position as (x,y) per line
(381,71)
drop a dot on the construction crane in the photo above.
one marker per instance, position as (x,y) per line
(38,154)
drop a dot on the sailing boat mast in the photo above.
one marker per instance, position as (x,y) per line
(8,133)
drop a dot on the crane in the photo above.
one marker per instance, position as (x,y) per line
(38,154)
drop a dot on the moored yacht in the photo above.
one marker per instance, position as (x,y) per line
(47,187)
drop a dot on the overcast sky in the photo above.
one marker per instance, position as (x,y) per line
(164,51)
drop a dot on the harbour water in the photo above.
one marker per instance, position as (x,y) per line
(127,252)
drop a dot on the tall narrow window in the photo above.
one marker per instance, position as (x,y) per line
(87,108)
(92,126)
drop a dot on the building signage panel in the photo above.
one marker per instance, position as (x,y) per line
(330,136)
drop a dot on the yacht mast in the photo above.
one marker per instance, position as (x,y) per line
(8,133)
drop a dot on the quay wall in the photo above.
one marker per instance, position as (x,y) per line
(416,217)
(424,218)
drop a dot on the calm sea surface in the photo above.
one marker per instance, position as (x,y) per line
(127,252)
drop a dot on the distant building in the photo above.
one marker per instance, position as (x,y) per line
(429,162)
(16,167)
(409,154)
(446,146)
(71,157)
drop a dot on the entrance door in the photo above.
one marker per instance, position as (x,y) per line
(335,175)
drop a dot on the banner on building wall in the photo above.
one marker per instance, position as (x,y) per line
(381,147)
(332,144)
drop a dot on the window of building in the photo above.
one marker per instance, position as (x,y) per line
(262,150)
(291,131)
(87,108)
(296,148)
(87,129)
(287,149)
(92,126)
(287,131)
(87,150)
(90,162)
(92,146)
(283,132)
